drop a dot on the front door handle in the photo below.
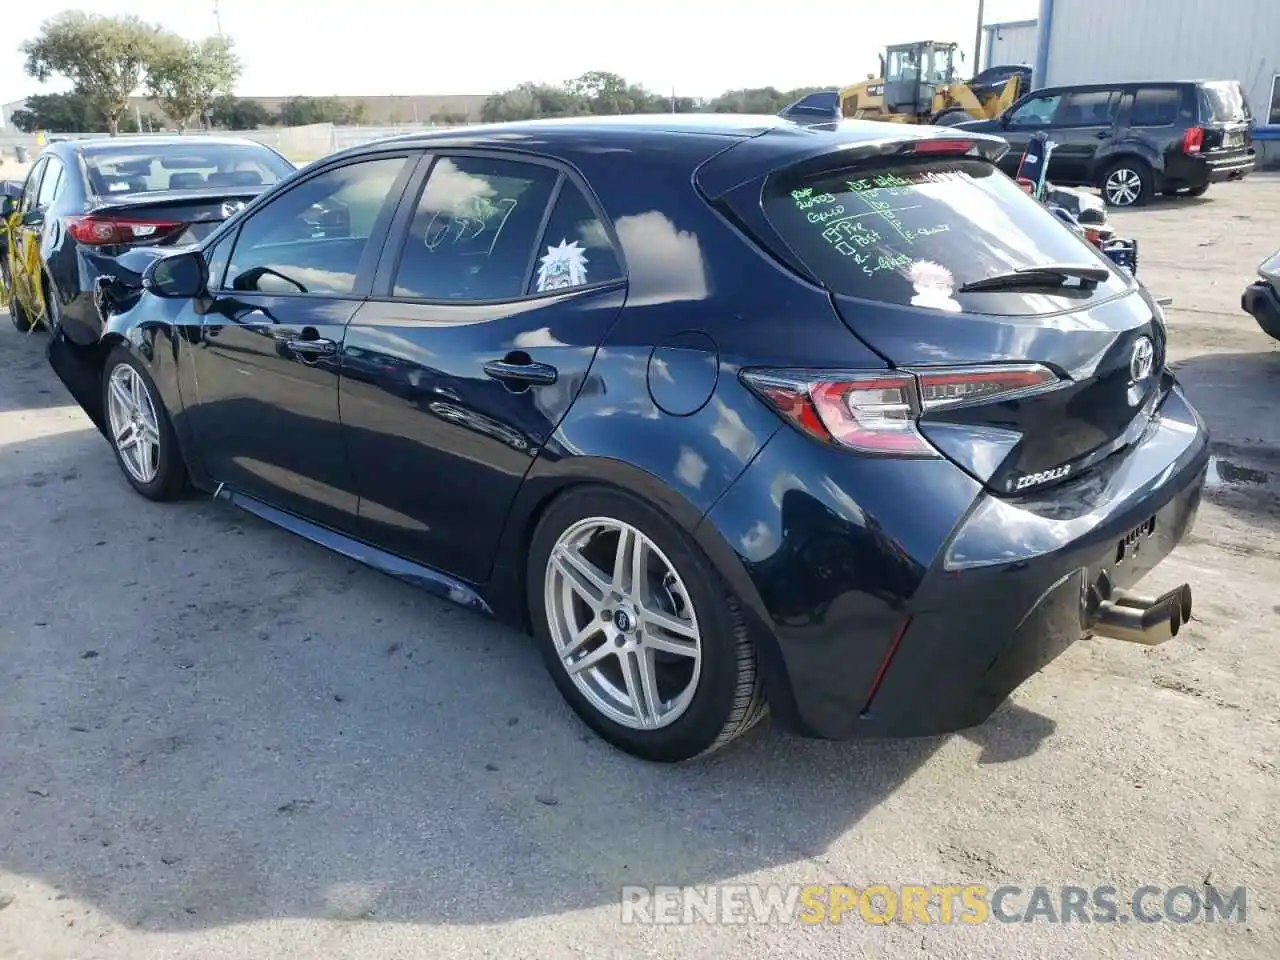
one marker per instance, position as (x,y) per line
(1102,134)
(508,371)
(312,348)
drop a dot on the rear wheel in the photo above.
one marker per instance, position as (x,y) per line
(637,630)
(18,314)
(1127,183)
(139,429)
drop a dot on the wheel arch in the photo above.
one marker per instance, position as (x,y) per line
(1126,150)
(508,594)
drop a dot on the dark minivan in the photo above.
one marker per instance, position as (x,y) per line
(1132,140)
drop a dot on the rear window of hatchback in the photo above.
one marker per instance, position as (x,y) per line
(914,233)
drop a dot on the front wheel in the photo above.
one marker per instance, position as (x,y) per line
(637,630)
(139,429)
(1128,183)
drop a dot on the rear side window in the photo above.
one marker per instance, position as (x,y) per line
(473,235)
(1088,108)
(1155,107)
(575,248)
(1223,102)
(916,232)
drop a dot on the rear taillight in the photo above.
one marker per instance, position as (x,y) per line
(103,231)
(877,413)
(1193,140)
(939,147)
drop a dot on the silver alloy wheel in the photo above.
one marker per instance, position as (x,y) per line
(622,622)
(135,430)
(1123,186)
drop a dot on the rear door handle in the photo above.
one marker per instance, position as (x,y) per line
(312,348)
(536,373)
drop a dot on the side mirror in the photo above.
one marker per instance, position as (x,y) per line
(181,276)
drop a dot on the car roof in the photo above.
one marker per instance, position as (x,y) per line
(98,144)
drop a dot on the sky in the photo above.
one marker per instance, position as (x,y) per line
(696,48)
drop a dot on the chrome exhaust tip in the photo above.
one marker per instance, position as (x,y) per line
(1137,619)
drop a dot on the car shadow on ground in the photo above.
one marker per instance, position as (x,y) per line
(1237,392)
(214,722)
(22,358)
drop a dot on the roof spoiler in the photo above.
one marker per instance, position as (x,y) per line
(820,107)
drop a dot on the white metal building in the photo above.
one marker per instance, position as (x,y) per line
(1097,41)
(1013,41)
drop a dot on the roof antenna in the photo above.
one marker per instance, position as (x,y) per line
(820,107)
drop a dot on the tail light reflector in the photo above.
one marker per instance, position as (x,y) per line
(1193,140)
(937,147)
(877,413)
(104,231)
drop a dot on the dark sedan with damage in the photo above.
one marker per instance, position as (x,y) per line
(85,202)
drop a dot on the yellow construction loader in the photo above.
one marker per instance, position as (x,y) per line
(917,84)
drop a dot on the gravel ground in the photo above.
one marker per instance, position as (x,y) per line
(219,740)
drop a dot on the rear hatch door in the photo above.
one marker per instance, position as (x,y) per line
(1226,118)
(896,241)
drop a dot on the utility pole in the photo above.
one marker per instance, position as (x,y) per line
(977,41)
(217,15)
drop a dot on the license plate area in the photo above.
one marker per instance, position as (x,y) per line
(1131,543)
(1233,140)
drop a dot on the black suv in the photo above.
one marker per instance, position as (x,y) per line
(1132,140)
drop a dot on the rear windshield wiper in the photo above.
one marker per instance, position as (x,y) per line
(1086,276)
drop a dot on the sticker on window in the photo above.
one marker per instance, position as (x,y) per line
(565,265)
(934,285)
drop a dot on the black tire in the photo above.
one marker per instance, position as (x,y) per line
(949,118)
(728,699)
(171,479)
(18,314)
(1138,177)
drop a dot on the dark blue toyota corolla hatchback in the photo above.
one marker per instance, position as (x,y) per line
(729,412)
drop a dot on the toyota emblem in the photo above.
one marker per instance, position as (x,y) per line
(232,207)
(1143,360)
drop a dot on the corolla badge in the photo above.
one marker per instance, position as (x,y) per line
(1143,360)
(231,207)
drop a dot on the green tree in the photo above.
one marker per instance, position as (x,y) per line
(449,118)
(185,77)
(529,101)
(300,111)
(103,57)
(236,113)
(767,100)
(58,113)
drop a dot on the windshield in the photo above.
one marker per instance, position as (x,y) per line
(1223,102)
(916,232)
(116,171)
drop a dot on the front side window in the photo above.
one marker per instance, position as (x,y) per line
(1036,112)
(51,183)
(311,239)
(1089,108)
(32,187)
(473,234)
